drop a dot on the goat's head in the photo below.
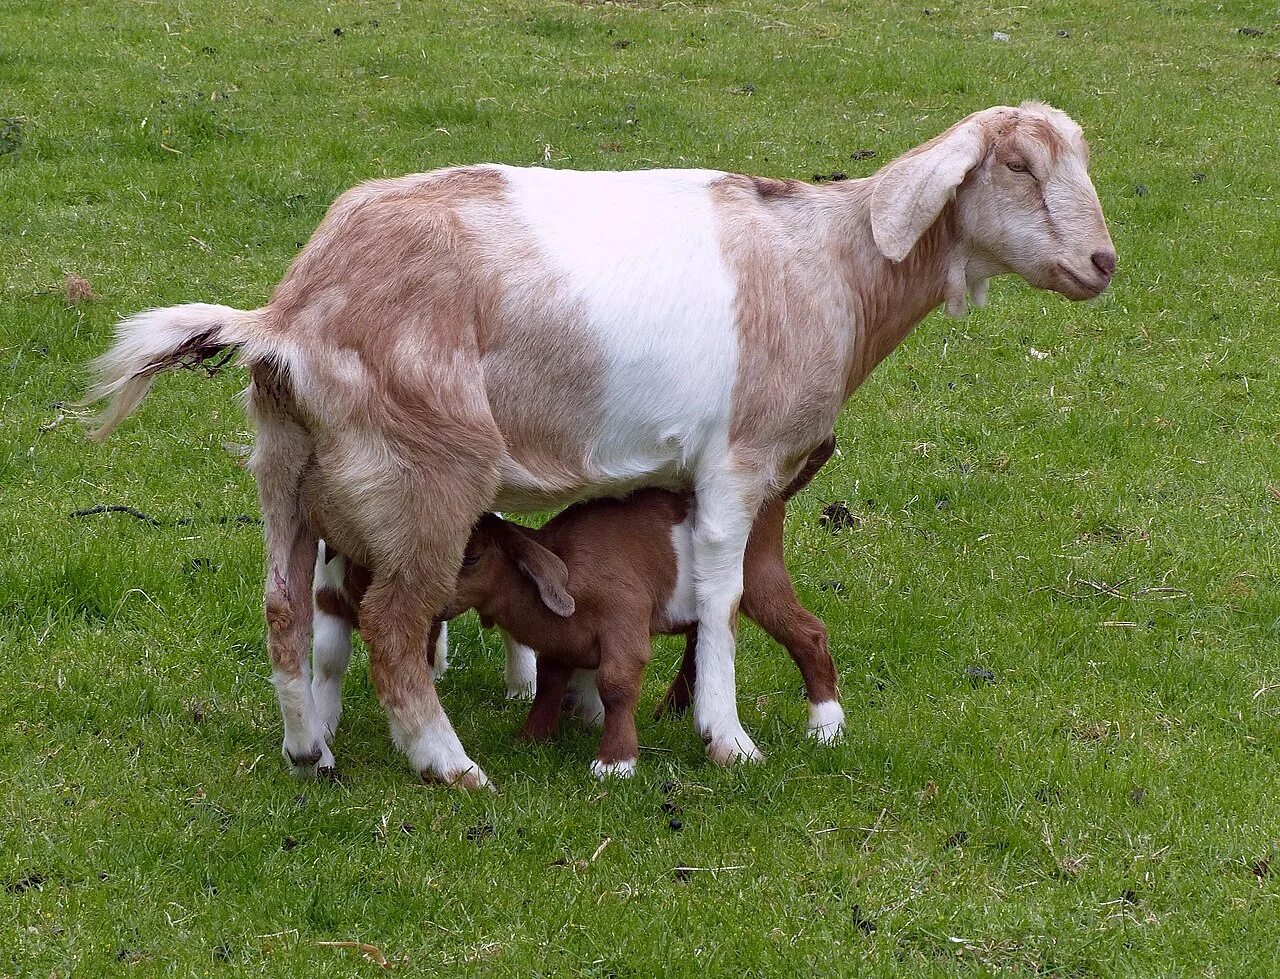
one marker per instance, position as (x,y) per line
(1024,200)
(499,559)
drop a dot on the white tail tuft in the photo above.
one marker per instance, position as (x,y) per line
(157,340)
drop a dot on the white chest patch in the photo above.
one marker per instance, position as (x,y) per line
(682,606)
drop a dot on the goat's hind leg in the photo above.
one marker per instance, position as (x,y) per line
(280,458)
(415,567)
(769,599)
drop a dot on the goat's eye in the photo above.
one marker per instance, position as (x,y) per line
(470,560)
(1017,166)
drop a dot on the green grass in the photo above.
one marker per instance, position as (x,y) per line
(1081,499)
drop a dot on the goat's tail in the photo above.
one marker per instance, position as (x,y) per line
(158,340)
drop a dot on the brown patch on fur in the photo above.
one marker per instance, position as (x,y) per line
(425,263)
(786,327)
(770,187)
(332,602)
(1045,133)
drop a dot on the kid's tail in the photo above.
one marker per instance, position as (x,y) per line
(159,340)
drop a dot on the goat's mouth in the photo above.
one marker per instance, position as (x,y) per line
(1078,287)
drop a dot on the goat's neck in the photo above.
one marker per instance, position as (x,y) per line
(887,299)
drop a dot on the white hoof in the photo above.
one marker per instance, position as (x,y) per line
(726,749)
(826,722)
(614,769)
(303,762)
(522,691)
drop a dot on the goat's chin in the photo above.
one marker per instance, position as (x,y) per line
(1075,286)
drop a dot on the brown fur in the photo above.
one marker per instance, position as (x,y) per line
(621,572)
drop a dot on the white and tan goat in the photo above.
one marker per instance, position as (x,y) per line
(494,337)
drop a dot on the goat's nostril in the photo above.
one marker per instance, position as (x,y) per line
(1104,262)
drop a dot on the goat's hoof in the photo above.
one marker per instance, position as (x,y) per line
(726,751)
(328,773)
(613,769)
(469,780)
(522,691)
(302,764)
(826,722)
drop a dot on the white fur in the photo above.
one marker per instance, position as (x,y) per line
(617,769)
(682,606)
(522,670)
(639,253)
(433,748)
(585,696)
(722,524)
(330,646)
(302,735)
(826,721)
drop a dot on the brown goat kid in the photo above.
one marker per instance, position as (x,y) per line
(589,589)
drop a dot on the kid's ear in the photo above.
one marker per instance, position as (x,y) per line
(545,570)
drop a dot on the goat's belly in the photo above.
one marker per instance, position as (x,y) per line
(527,488)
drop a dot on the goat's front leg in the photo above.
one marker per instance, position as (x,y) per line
(522,669)
(725,507)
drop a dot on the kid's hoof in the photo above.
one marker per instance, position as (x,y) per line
(826,722)
(613,769)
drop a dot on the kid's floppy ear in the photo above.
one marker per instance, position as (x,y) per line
(545,570)
(912,190)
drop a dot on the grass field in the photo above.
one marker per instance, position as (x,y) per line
(1082,500)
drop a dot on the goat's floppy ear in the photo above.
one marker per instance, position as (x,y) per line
(912,190)
(546,571)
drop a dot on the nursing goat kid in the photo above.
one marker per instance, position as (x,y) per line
(492,337)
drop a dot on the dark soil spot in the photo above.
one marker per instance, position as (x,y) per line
(480,832)
(979,675)
(1252,31)
(861,921)
(1129,896)
(32,880)
(1137,794)
(1260,867)
(683,873)
(959,838)
(838,516)
(747,89)
(621,44)
(11,135)
(338,32)
(1140,190)
(668,788)
(835,587)
(1048,794)
(670,808)
(288,843)
(834,177)
(862,155)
